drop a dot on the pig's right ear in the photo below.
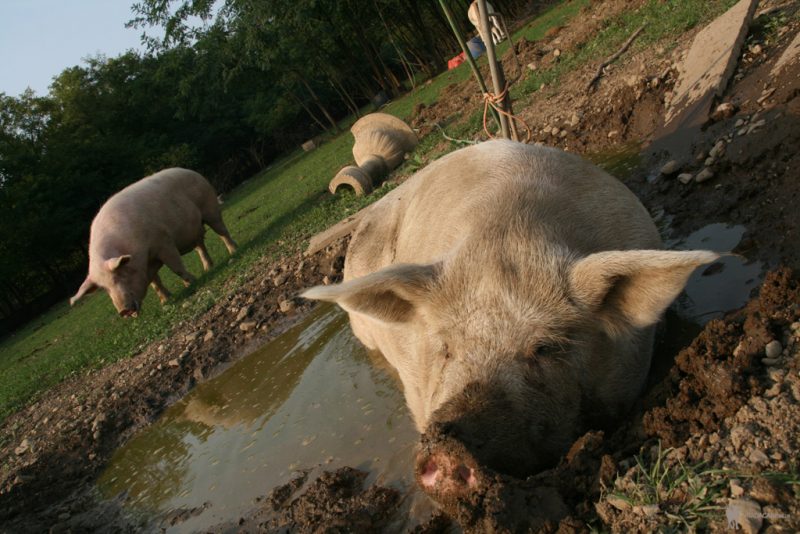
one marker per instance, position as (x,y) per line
(633,287)
(86,287)
(391,295)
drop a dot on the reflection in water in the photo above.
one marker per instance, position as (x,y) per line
(723,286)
(308,397)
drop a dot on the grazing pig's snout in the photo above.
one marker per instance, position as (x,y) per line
(133,311)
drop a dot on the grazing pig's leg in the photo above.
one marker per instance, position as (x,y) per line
(205,259)
(170,257)
(219,227)
(158,287)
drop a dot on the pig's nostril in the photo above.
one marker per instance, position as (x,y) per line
(430,474)
(466,475)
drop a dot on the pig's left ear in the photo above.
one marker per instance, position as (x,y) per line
(390,295)
(634,286)
(115,263)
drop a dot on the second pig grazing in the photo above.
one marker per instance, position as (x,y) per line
(148,224)
(515,289)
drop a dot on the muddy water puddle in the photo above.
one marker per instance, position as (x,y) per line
(725,285)
(311,399)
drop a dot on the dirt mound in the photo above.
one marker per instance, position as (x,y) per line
(335,502)
(722,368)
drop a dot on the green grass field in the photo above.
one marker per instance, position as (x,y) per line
(276,212)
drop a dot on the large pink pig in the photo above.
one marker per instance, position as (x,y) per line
(148,224)
(515,289)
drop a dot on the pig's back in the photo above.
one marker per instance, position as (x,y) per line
(483,191)
(170,201)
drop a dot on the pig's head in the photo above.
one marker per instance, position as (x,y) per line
(122,277)
(504,362)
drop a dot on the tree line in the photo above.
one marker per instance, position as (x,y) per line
(224,97)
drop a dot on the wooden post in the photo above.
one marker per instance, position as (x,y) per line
(467,54)
(498,78)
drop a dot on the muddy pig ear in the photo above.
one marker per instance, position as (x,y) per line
(633,286)
(86,287)
(391,294)
(115,263)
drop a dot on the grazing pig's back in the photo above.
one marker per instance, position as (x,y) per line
(168,199)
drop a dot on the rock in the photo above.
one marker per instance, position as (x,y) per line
(247,326)
(287,306)
(173,362)
(562,134)
(209,335)
(613,133)
(709,161)
(619,503)
(773,349)
(704,175)
(671,167)
(23,447)
(718,149)
(736,488)
(574,120)
(745,513)
(280,279)
(531,66)
(738,436)
(758,457)
(685,177)
(244,312)
(739,123)
(554,130)
(326,280)
(723,111)
(198,374)
(556,52)
(755,126)
(188,338)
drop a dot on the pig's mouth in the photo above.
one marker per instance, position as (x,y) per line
(130,312)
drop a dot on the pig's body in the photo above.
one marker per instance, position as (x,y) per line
(487,282)
(148,224)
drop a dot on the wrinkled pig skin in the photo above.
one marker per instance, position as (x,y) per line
(515,289)
(151,223)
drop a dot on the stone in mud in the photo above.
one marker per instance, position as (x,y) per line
(287,306)
(773,349)
(704,175)
(685,177)
(671,167)
(723,111)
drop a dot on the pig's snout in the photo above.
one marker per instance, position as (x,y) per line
(132,311)
(441,472)
(445,469)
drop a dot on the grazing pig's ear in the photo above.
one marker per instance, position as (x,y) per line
(389,295)
(115,263)
(635,286)
(86,287)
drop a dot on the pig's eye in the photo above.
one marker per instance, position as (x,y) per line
(543,349)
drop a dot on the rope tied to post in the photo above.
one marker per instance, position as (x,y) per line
(495,101)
